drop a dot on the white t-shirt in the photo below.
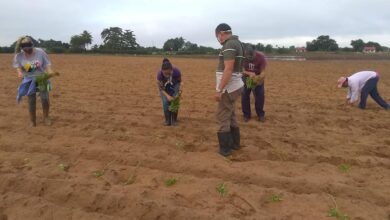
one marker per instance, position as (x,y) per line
(356,83)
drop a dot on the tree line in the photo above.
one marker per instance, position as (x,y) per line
(118,40)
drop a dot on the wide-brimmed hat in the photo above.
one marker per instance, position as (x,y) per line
(341,81)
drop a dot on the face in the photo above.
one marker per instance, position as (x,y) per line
(167,73)
(27,47)
(219,37)
(345,84)
(250,55)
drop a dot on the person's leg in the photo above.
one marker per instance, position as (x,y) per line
(45,107)
(223,115)
(246,103)
(174,114)
(259,102)
(167,113)
(378,99)
(32,100)
(367,88)
(234,128)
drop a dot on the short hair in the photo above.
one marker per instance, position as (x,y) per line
(223,27)
(166,64)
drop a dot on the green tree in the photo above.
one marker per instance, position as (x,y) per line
(174,44)
(322,43)
(114,38)
(87,38)
(357,45)
(377,46)
(268,48)
(77,42)
(188,46)
(260,47)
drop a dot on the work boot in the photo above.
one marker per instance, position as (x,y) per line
(32,110)
(235,131)
(174,118)
(45,108)
(168,118)
(225,143)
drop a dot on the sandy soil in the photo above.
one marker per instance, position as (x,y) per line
(107,117)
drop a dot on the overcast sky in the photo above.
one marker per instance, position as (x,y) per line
(277,22)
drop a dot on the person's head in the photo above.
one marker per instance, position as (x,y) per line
(24,43)
(250,52)
(342,82)
(223,32)
(166,68)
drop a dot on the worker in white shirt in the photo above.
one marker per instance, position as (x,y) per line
(362,84)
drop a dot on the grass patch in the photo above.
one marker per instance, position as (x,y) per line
(276,198)
(63,167)
(335,212)
(170,182)
(344,168)
(222,189)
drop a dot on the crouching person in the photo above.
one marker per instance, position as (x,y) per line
(360,85)
(169,83)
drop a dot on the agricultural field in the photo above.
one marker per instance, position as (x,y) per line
(107,154)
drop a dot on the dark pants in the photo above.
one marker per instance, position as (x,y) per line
(44,100)
(258,92)
(370,88)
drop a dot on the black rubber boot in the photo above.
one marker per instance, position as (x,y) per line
(235,131)
(32,109)
(168,118)
(174,118)
(225,143)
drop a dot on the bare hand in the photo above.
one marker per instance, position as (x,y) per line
(218,96)
(169,98)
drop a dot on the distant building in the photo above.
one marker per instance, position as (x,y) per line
(369,50)
(300,49)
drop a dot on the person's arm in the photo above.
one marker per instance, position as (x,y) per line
(226,76)
(20,73)
(49,70)
(354,95)
(161,89)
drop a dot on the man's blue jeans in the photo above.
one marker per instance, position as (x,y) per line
(258,92)
(370,88)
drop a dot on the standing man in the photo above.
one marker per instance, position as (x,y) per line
(362,84)
(228,88)
(254,64)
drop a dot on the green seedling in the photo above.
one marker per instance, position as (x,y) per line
(43,81)
(180,145)
(99,173)
(63,167)
(276,198)
(249,83)
(221,188)
(171,182)
(132,176)
(175,104)
(344,168)
(335,212)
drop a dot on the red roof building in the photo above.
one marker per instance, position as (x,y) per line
(369,50)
